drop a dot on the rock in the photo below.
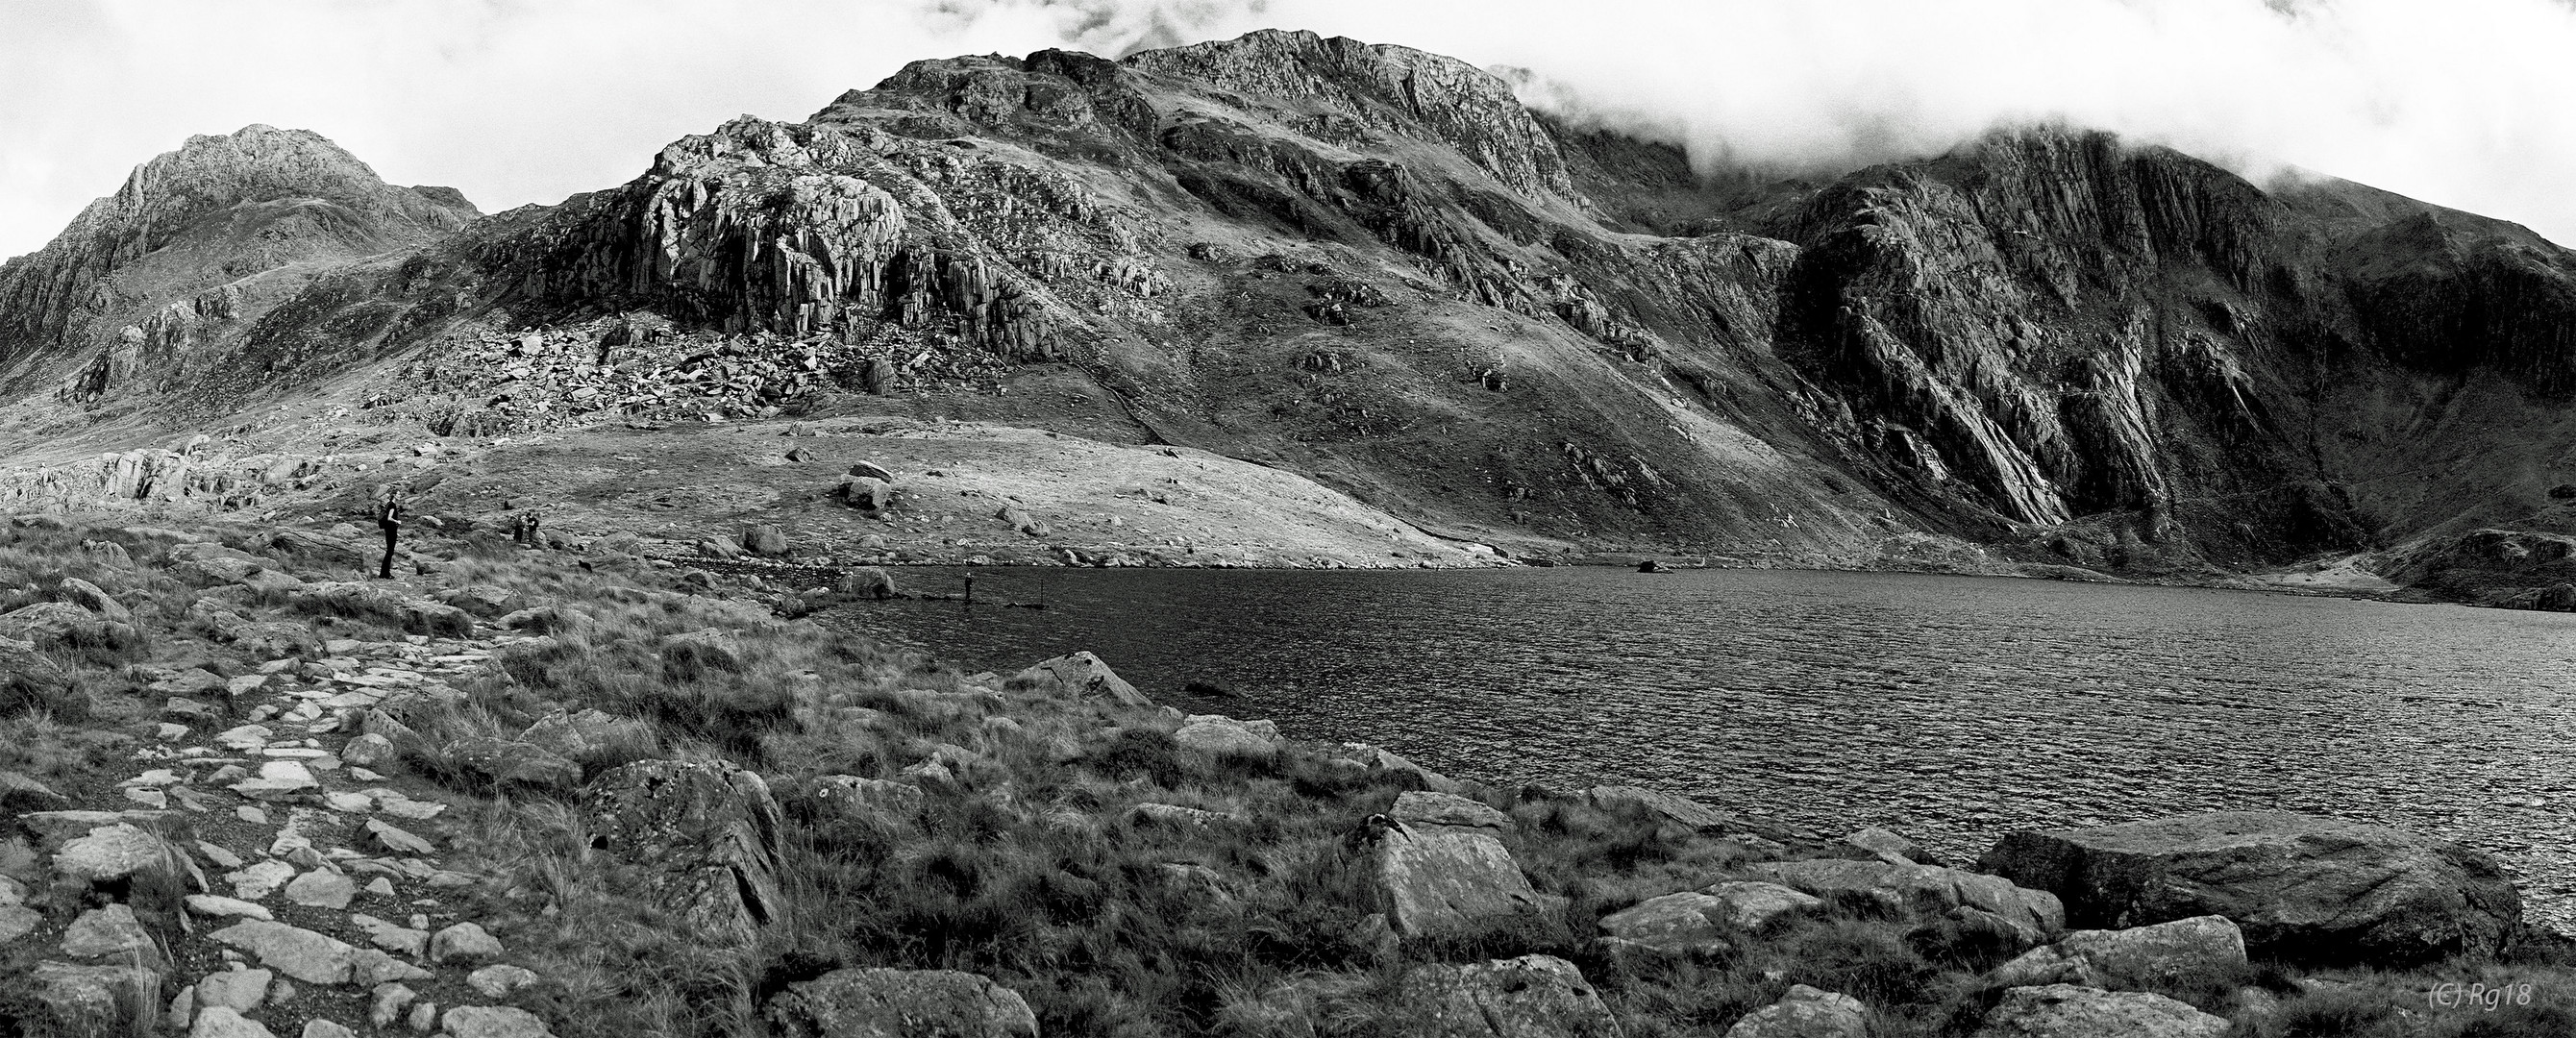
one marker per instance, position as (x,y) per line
(18,921)
(766,541)
(388,1004)
(1174,814)
(368,751)
(497,981)
(1534,996)
(221,907)
(1986,928)
(112,930)
(369,967)
(464,941)
(1667,806)
(869,582)
(112,999)
(322,888)
(506,760)
(1219,735)
(398,840)
(88,596)
(31,676)
(299,953)
(183,1008)
(853,797)
(1921,887)
(116,851)
(868,493)
(238,990)
(19,794)
(221,1022)
(2068,1011)
(892,1003)
(2132,959)
(1377,759)
(424,1015)
(710,828)
(260,880)
(2302,887)
(391,936)
(1806,1012)
(1684,923)
(1082,675)
(51,624)
(1438,881)
(492,1022)
(1429,808)
(574,735)
(320,1028)
(871,470)
(718,548)
(1875,842)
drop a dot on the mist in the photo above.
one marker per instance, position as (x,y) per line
(2469,103)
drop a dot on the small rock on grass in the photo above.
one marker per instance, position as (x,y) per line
(390,1001)
(322,888)
(497,981)
(464,941)
(397,840)
(220,906)
(494,1022)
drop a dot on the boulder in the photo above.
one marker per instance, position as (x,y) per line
(507,760)
(1805,1012)
(113,852)
(1423,807)
(2068,1011)
(871,470)
(1667,806)
(2302,887)
(299,953)
(709,828)
(239,990)
(893,1003)
(1919,887)
(1378,759)
(2132,959)
(573,735)
(1746,906)
(89,596)
(865,582)
(109,931)
(19,793)
(718,548)
(111,999)
(62,623)
(464,942)
(1682,923)
(1218,734)
(492,1022)
(766,541)
(1438,881)
(1534,996)
(1874,842)
(1084,676)
(850,796)
(867,492)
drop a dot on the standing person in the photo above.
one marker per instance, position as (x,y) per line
(389,519)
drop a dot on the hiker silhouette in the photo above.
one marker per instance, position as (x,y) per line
(389,517)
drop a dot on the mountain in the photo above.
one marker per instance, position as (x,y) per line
(1374,267)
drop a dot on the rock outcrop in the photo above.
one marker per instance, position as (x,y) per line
(1506,998)
(2301,886)
(710,830)
(891,1003)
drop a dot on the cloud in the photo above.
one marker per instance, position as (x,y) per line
(2465,103)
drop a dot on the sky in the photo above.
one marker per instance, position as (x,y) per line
(2465,103)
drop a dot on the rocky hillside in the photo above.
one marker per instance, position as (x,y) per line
(1373,267)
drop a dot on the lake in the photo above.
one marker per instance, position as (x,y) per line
(1949,709)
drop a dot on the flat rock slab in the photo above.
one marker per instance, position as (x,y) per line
(2068,1011)
(1534,996)
(113,852)
(2302,887)
(2133,959)
(299,953)
(1425,807)
(1921,887)
(1438,881)
(891,1003)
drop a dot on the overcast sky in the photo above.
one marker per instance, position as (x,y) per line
(2468,103)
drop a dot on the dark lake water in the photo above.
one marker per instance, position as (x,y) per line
(1950,709)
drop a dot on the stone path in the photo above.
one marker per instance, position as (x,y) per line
(293,889)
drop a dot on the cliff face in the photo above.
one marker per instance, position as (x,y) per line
(1373,266)
(196,246)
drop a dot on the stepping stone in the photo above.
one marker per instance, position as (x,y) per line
(494,1022)
(238,990)
(497,981)
(370,967)
(217,854)
(466,941)
(390,1001)
(397,840)
(220,906)
(391,937)
(244,737)
(257,882)
(348,803)
(322,888)
(251,814)
(299,953)
(219,1022)
(101,932)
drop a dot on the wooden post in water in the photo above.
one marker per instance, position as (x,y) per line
(970,587)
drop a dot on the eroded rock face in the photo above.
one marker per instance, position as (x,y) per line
(711,830)
(891,1003)
(1526,997)
(2301,886)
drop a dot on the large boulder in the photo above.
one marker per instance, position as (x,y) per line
(1442,881)
(2302,887)
(1083,676)
(767,541)
(2068,1011)
(1806,1012)
(2136,958)
(1534,996)
(711,830)
(1919,887)
(892,1003)
(63,624)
